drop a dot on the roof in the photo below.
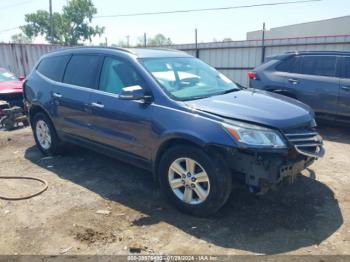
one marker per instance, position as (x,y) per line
(156,52)
(138,52)
(319,53)
(290,54)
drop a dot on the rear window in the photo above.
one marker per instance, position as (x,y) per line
(291,65)
(81,70)
(53,67)
(345,67)
(318,65)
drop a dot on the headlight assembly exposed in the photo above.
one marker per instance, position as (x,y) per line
(254,135)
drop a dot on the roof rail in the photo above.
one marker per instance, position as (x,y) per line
(161,49)
(104,47)
(315,52)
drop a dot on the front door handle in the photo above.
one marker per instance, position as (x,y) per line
(97,104)
(293,81)
(346,88)
(58,95)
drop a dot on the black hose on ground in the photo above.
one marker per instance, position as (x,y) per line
(26,178)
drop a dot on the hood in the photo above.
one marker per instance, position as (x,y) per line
(255,106)
(11,87)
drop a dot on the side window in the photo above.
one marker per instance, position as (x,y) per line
(345,67)
(81,70)
(117,74)
(53,67)
(292,65)
(318,65)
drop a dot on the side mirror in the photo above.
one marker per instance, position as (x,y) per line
(134,93)
(21,78)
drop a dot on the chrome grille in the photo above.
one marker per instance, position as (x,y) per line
(308,143)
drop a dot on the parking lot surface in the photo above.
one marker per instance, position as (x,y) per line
(98,205)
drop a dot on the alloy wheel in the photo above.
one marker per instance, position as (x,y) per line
(189,181)
(43,134)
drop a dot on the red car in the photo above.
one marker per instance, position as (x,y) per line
(11,88)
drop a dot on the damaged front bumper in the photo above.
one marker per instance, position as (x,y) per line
(262,169)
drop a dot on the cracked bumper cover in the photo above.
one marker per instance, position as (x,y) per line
(263,169)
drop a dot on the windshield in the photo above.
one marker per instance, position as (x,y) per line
(6,76)
(187,78)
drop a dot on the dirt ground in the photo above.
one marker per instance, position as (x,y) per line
(98,205)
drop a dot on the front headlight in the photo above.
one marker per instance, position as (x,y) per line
(254,135)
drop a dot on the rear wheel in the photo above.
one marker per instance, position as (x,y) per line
(45,135)
(194,181)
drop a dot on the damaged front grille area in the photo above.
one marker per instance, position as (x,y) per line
(14,99)
(308,143)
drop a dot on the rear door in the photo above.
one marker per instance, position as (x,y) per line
(72,96)
(344,92)
(285,72)
(121,124)
(315,83)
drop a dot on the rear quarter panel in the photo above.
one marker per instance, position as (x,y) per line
(39,92)
(268,78)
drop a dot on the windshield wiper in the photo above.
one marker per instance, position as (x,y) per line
(227,91)
(196,98)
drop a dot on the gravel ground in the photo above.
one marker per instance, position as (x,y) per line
(98,205)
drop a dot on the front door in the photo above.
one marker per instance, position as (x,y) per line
(121,124)
(344,92)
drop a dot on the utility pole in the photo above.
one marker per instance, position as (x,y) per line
(144,40)
(127,41)
(263,44)
(196,42)
(51,21)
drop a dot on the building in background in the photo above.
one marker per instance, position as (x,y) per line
(329,27)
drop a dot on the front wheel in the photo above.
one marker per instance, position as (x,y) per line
(194,181)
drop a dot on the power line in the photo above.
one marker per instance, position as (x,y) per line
(208,9)
(9,29)
(17,4)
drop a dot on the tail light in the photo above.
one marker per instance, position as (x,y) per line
(252,75)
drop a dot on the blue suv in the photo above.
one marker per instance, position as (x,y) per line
(318,79)
(172,114)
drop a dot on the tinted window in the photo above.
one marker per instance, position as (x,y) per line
(117,74)
(292,65)
(53,67)
(81,70)
(345,67)
(318,65)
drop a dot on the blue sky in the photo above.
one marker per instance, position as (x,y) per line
(180,27)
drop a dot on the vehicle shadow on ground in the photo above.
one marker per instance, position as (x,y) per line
(300,215)
(334,132)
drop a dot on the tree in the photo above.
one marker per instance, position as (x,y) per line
(157,40)
(20,39)
(69,27)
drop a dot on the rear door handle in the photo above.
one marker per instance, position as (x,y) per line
(58,95)
(346,88)
(97,104)
(293,81)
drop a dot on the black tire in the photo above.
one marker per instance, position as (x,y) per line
(56,145)
(25,122)
(218,173)
(8,124)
